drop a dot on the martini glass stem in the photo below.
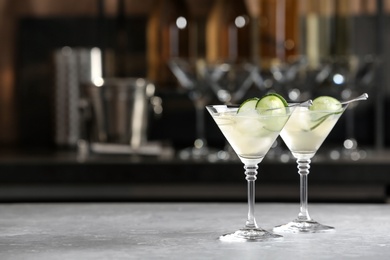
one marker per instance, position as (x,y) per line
(200,140)
(200,122)
(251,172)
(303,170)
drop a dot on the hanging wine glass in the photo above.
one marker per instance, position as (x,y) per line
(230,81)
(187,34)
(191,75)
(344,77)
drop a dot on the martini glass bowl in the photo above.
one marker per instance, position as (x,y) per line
(251,135)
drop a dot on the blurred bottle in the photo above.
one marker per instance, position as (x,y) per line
(326,29)
(279,30)
(199,11)
(364,16)
(167,37)
(342,28)
(316,21)
(228,32)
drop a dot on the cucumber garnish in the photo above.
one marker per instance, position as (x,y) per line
(247,105)
(325,103)
(271,104)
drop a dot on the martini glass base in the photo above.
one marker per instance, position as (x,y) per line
(303,226)
(250,235)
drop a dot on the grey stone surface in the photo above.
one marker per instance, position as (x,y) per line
(186,231)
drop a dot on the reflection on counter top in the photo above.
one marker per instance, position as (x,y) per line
(47,156)
(61,176)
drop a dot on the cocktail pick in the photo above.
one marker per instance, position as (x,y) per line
(361,97)
(306,103)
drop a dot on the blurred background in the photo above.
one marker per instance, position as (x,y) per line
(103,100)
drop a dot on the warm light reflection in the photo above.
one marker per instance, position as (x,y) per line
(96,65)
(98,82)
(240,21)
(181,22)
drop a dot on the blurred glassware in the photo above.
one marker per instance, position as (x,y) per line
(191,74)
(362,78)
(115,117)
(344,77)
(72,67)
(230,81)
(284,77)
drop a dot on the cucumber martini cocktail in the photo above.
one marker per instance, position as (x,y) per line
(251,129)
(303,134)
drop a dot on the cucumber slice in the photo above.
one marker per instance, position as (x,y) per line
(324,103)
(274,106)
(271,104)
(248,105)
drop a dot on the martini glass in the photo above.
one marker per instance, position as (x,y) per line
(251,135)
(191,75)
(303,134)
(230,80)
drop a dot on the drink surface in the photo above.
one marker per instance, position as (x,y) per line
(250,134)
(306,130)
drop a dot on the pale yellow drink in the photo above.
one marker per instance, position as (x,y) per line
(250,134)
(306,130)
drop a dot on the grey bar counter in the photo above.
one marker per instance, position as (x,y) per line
(186,231)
